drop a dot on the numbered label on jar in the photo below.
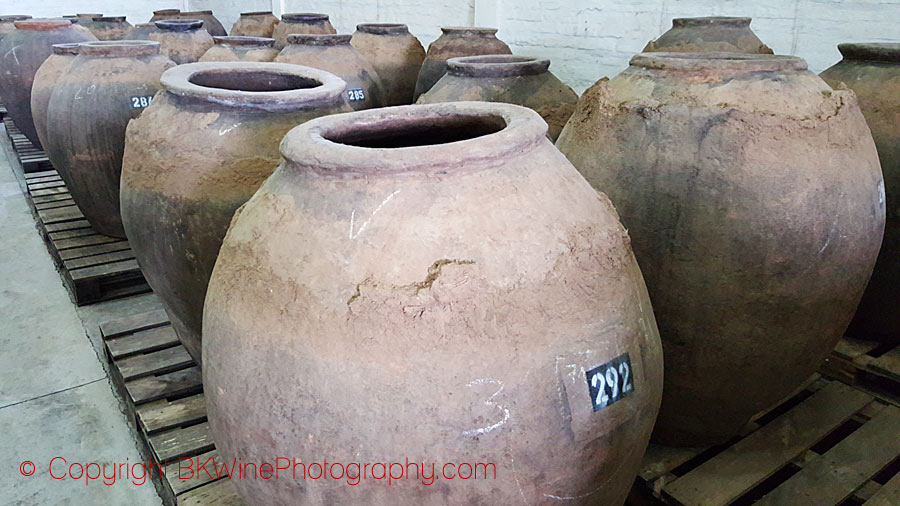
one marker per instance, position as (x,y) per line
(355,94)
(141,102)
(610,382)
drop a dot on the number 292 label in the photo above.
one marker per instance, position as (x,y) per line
(610,382)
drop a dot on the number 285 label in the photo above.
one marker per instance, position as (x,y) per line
(355,94)
(610,382)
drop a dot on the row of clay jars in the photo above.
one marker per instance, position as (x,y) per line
(21,54)
(755,204)
(197,153)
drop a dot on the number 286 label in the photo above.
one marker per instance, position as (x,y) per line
(610,382)
(141,102)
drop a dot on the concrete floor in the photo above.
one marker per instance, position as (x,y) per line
(55,396)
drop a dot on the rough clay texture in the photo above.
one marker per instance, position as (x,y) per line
(285,28)
(21,54)
(755,204)
(110,30)
(183,47)
(44,81)
(708,38)
(224,52)
(141,32)
(86,120)
(452,45)
(444,316)
(188,165)
(877,86)
(210,23)
(258,25)
(343,61)
(544,93)
(397,59)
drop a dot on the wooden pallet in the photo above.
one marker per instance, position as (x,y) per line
(31,158)
(163,393)
(868,365)
(94,267)
(830,444)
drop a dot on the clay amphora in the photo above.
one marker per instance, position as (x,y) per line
(210,23)
(456,41)
(460,222)
(239,48)
(755,204)
(45,81)
(872,71)
(21,54)
(110,27)
(198,153)
(333,53)
(302,22)
(709,34)
(254,24)
(106,85)
(395,54)
(182,40)
(519,80)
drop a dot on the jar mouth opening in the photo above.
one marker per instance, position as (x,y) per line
(109,19)
(119,48)
(871,51)
(416,138)
(243,41)
(720,61)
(304,17)
(383,28)
(42,24)
(712,20)
(69,48)
(179,25)
(14,17)
(257,13)
(497,65)
(263,85)
(318,39)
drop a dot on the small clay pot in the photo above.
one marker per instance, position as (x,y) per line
(198,153)
(210,23)
(254,24)
(872,71)
(45,81)
(333,53)
(456,41)
(165,14)
(7,23)
(238,48)
(300,22)
(395,54)
(110,27)
(709,34)
(108,84)
(21,54)
(182,40)
(519,80)
(141,31)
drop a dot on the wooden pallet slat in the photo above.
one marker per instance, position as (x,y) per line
(870,366)
(151,388)
(219,492)
(182,442)
(181,483)
(888,495)
(135,323)
(142,341)
(154,363)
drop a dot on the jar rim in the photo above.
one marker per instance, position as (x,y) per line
(68,48)
(472,30)
(497,65)
(721,61)
(304,17)
(319,39)
(179,25)
(109,19)
(871,51)
(243,41)
(257,13)
(6,18)
(42,24)
(383,28)
(118,48)
(712,20)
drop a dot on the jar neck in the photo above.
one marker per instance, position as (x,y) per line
(886,52)
(325,39)
(309,18)
(500,65)
(119,49)
(244,42)
(708,21)
(179,25)
(68,49)
(383,28)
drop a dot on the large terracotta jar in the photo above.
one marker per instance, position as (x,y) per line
(182,40)
(21,54)
(254,24)
(79,27)
(333,53)
(45,81)
(107,84)
(195,155)
(238,48)
(8,23)
(872,71)
(110,27)
(210,23)
(456,41)
(755,204)
(433,283)
(709,34)
(302,22)
(395,54)
(141,31)
(519,80)
(165,14)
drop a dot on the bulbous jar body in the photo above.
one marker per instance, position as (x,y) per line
(165,14)
(8,23)
(436,283)
(107,84)
(182,40)
(300,22)
(22,53)
(197,153)
(519,80)
(210,23)
(872,71)
(238,48)
(709,34)
(333,53)
(456,41)
(141,31)
(110,27)
(254,24)
(395,54)
(45,80)
(79,27)
(755,203)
